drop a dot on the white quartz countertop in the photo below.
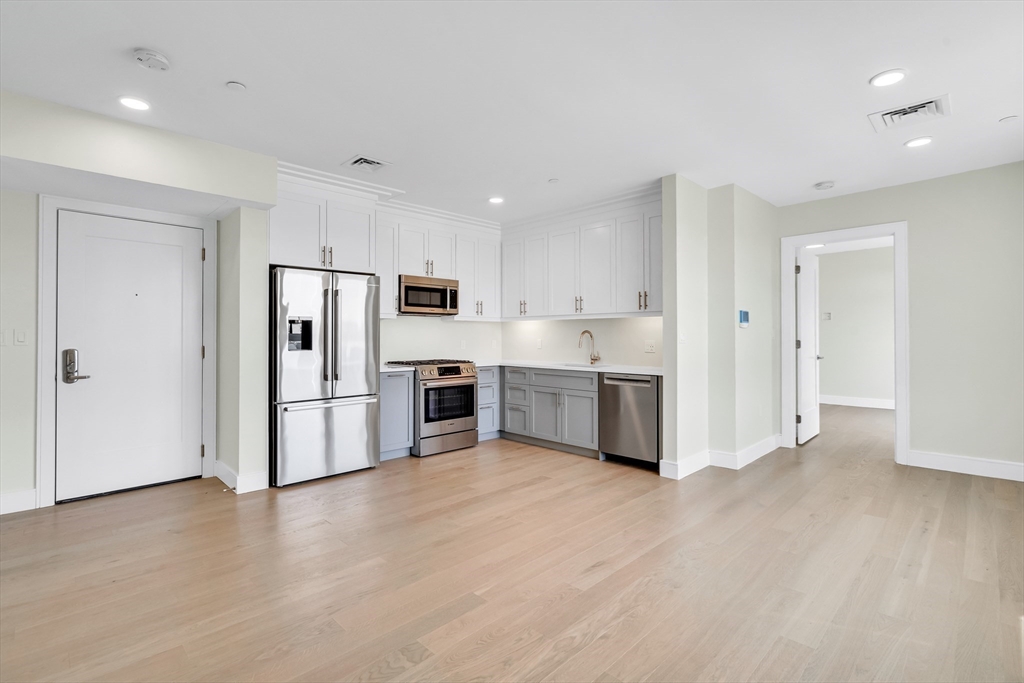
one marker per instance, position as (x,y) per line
(575,367)
(397,368)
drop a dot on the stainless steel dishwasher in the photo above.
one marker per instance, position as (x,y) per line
(630,415)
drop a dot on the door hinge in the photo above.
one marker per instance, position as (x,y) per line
(204,253)
(204,351)
(797,271)
(202,451)
(798,343)
(798,419)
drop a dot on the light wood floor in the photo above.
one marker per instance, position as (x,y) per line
(509,562)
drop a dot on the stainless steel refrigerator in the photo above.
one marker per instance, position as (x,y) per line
(325,370)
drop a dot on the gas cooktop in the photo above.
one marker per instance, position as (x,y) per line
(433,361)
(439,367)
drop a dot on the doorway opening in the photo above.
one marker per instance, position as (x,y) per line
(866,370)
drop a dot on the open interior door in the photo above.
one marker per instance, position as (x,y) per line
(807,411)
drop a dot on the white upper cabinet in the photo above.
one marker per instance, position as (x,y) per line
(350,238)
(428,252)
(563,272)
(441,252)
(629,263)
(297,232)
(652,264)
(386,243)
(535,276)
(597,268)
(466,259)
(488,278)
(513,260)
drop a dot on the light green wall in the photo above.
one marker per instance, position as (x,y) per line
(47,133)
(19,230)
(242,346)
(966,270)
(856,289)
(721,319)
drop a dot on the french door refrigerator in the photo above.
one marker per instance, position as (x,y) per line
(325,365)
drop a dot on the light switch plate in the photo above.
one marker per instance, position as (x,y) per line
(540,343)
(21,337)
(463,344)
(826,316)
(649,346)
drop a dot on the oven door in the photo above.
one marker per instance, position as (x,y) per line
(446,406)
(426,296)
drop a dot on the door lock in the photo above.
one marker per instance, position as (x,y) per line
(71,367)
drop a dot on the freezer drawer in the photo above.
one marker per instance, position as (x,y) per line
(630,416)
(320,438)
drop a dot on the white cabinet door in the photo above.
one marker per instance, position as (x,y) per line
(396,410)
(629,263)
(563,250)
(535,272)
(467,275)
(512,290)
(597,268)
(441,253)
(412,251)
(350,238)
(296,235)
(652,264)
(488,278)
(386,240)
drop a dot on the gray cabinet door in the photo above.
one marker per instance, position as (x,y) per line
(579,412)
(487,419)
(517,420)
(545,406)
(396,395)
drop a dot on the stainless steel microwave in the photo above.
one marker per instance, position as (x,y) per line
(427,295)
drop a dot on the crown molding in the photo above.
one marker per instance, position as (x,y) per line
(418,211)
(332,181)
(638,195)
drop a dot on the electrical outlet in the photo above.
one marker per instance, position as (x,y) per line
(494,343)
(826,316)
(463,344)
(3,337)
(540,343)
(649,346)
(21,337)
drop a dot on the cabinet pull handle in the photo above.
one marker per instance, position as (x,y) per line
(645,299)
(330,257)
(323,256)
(426,267)
(639,304)
(581,304)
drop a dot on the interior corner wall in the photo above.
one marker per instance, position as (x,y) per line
(685,323)
(19,275)
(722,319)
(856,290)
(242,347)
(965,236)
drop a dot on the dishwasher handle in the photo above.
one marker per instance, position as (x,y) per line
(629,380)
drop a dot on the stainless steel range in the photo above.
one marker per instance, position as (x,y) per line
(445,405)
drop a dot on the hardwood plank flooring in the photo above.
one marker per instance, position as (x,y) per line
(515,563)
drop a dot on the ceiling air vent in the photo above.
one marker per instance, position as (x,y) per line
(919,112)
(366,164)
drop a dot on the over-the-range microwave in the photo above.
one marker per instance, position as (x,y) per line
(427,295)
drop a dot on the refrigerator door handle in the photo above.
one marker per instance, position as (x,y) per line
(327,331)
(334,404)
(337,334)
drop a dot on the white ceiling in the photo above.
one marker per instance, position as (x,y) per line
(471,100)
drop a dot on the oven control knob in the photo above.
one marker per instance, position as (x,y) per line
(433,372)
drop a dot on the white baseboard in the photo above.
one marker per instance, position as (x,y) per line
(254,481)
(685,467)
(395,454)
(17,501)
(856,402)
(735,461)
(962,464)
(225,474)
(489,435)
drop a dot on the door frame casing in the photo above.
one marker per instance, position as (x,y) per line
(789,247)
(46,328)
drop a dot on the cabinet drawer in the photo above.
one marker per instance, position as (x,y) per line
(487,394)
(517,420)
(487,419)
(559,379)
(517,375)
(487,375)
(517,394)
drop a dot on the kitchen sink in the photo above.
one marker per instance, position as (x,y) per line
(586,365)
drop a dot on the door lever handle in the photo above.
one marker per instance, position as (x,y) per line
(71,367)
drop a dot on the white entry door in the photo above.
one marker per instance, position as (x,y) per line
(130,302)
(807,382)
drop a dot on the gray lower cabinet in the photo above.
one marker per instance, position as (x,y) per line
(396,411)
(579,416)
(487,418)
(545,413)
(517,419)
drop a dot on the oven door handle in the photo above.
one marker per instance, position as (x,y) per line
(449,383)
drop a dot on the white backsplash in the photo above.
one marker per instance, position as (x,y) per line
(619,340)
(417,337)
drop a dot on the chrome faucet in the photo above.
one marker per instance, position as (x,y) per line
(594,355)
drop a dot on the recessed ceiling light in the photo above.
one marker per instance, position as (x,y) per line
(496,200)
(918,142)
(824,185)
(814,246)
(134,103)
(235,85)
(888,77)
(1007,119)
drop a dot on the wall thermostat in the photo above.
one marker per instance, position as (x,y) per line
(744,318)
